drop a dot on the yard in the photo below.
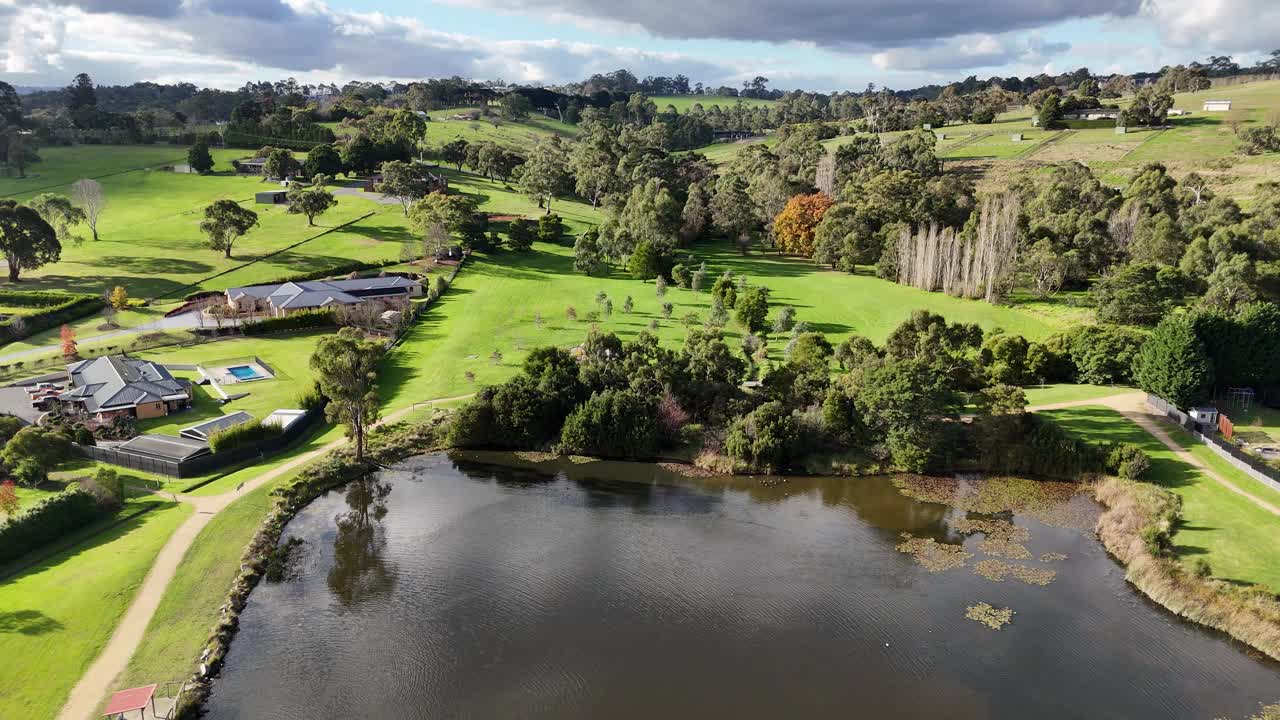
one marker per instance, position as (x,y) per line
(1239,539)
(48,635)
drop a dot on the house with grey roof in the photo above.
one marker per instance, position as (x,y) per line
(118,385)
(391,293)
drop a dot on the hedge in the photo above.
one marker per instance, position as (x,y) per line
(334,271)
(57,308)
(48,520)
(304,320)
(244,434)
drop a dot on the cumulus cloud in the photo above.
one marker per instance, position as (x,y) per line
(1225,25)
(854,25)
(978,50)
(302,37)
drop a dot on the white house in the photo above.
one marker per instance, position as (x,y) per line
(1217,105)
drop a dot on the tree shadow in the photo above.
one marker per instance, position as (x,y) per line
(28,622)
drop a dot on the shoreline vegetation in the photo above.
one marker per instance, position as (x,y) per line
(1136,530)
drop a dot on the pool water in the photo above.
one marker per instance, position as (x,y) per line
(244,372)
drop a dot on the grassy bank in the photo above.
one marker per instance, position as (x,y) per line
(1238,539)
(56,617)
(1137,515)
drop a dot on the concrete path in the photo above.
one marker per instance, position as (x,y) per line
(1133,405)
(91,691)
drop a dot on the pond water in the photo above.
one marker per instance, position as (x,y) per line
(476,586)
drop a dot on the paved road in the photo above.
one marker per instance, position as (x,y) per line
(91,691)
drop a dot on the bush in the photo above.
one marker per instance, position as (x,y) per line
(41,446)
(305,320)
(252,433)
(1128,461)
(47,521)
(550,228)
(56,308)
(312,399)
(110,481)
(613,423)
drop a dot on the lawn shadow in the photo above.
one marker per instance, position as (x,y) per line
(28,622)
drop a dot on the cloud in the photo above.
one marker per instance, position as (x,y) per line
(272,38)
(1224,25)
(964,52)
(846,25)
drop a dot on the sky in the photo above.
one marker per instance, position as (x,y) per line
(819,45)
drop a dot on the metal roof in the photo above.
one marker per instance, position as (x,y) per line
(165,447)
(115,382)
(322,293)
(202,430)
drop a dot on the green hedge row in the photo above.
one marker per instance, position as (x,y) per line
(57,308)
(344,269)
(304,320)
(244,434)
(48,520)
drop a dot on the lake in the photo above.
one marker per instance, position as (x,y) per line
(479,586)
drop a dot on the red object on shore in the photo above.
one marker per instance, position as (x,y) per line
(130,700)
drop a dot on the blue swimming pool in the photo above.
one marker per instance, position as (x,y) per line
(244,372)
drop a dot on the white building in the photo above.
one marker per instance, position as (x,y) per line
(1217,105)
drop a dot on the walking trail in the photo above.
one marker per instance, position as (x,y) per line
(92,688)
(1133,405)
(91,691)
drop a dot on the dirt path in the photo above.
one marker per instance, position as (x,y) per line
(91,691)
(1133,405)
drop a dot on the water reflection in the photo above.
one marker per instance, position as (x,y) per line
(488,587)
(360,566)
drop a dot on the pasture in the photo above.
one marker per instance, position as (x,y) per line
(685,103)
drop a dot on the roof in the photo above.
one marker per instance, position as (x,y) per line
(322,293)
(114,382)
(203,430)
(165,447)
(284,418)
(129,700)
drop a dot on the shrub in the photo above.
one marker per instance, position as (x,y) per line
(1128,461)
(252,433)
(550,228)
(303,320)
(47,521)
(312,399)
(614,423)
(110,481)
(41,446)
(55,308)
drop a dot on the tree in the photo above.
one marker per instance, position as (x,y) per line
(731,209)
(360,155)
(1174,364)
(1050,113)
(586,252)
(346,367)
(10,105)
(26,240)
(119,298)
(20,151)
(80,93)
(644,263)
(454,152)
(310,201)
(545,174)
(280,164)
(696,216)
(1044,267)
(322,160)
(89,196)
(9,502)
(404,182)
(61,215)
(753,309)
(199,157)
(224,222)
(452,212)
(41,446)
(521,233)
(680,275)
(1138,293)
(69,350)
(514,106)
(795,226)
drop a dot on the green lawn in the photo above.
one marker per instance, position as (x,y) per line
(150,241)
(56,617)
(1066,392)
(1239,540)
(494,300)
(61,166)
(683,103)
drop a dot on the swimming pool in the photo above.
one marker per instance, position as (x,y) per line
(244,372)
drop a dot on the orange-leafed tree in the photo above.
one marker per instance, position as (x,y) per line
(8,498)
(69,350)
(795,225)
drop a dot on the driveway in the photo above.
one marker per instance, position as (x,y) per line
(15,401)
(185,321)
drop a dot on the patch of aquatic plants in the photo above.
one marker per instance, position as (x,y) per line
(989,615)
(933,555)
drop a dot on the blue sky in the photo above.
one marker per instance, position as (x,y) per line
(810,44)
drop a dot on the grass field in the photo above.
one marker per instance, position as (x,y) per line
(1052,394)
(1239,540)
(493,303)
(64,165)
(151,242)
(683,103)
(49,634)
(518,134)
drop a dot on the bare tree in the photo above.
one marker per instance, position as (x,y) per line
(360,315)
(980,266)
(435,240)
(826,176)
(89,196)
(1123,223)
